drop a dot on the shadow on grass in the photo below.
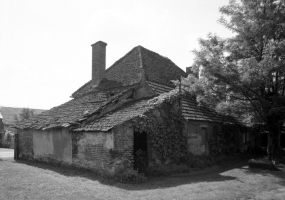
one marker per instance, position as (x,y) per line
(278,173)
(208,175)
(65,170)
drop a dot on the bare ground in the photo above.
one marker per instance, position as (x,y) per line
(232,180)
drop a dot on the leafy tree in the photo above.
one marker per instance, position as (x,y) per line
(245,75)
(24,115)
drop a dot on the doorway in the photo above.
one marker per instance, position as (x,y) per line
(140,151)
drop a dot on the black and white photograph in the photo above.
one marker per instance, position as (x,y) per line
(142,99)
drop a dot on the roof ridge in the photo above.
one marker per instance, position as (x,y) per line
(142,70)
(140,55)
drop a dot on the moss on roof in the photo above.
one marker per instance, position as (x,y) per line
(192,110)
(128,112)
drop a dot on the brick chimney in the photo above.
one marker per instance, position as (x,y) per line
(98,62)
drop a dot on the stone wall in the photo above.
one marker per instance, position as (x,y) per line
(99,151)
(91,150)
(102,151)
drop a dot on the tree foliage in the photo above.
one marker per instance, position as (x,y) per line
(245,75)
(24,115)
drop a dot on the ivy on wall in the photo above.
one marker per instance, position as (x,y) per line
(224,140)
(166,137)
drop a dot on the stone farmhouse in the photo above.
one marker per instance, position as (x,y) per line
(116,117)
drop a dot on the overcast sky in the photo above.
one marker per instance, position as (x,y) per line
(45,52)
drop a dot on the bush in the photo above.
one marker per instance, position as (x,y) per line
(1,139)
(8,140)
(262,164)
(130,176)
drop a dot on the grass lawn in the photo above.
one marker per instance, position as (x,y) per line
(232,180)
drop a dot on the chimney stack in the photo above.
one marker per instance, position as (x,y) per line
(98,62)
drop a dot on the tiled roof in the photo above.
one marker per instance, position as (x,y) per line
(160,69)
(68,113)
(191,110)
(127,70)
(158,88)
(105,86)
(127,112)
(140,63)
(120,116)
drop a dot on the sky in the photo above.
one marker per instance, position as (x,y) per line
(45,46)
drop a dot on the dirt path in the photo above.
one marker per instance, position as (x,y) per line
(230,181)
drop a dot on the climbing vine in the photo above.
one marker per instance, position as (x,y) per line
(166,138)
(224,140)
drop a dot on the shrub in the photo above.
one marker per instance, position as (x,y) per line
(262,164)
(187,163)
(7,139)
(1,139)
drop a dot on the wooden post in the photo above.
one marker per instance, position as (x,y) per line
(16,147)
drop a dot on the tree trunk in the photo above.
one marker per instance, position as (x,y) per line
(274,148)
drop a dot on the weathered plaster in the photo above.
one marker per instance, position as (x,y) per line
(53,145)
(198,134)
